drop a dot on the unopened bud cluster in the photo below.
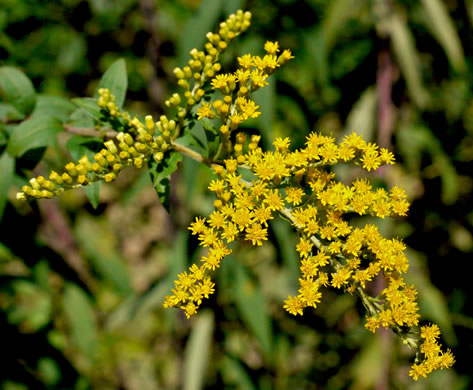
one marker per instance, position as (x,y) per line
(204,64)
(131,148)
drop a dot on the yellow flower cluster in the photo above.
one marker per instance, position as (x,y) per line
(434,358)
(296,185)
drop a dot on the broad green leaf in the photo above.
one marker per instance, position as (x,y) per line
(161,175)
(53,106)
(89,105)
(33,133)
(18,89)
(198,351)
(408,58)
(7,170)
(213,139)
(98,244)
(443,29)
(116,80)
(252,305)
(80,118)
(203,21)
(80,319)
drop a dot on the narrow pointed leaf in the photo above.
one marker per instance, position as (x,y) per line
(89,105)
(198,351)
(80,319)
(116,80)
(161,176)
(408,59)
(443,29)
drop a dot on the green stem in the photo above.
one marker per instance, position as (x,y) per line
(190,153)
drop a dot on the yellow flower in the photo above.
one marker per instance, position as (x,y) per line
(271,47)
(245,61)
(205,111)
(256,234)
(304,247)
(274,200)
(294,195)
(370,160)
(220,81)
(294,305)
(258,78)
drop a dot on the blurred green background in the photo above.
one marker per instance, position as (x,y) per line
(81,288)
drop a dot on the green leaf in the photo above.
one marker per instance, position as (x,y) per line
(9,113)
(408,58)
(53,106)
(92,191)
(33,133)
(432,303)
(213,140)
(198,350)
(89,105)
(441,26)
(235,373)
(80,118)
(161,175)
(97,242)
(18,89)
(79,146)
(80,318)
(203,21)
(7,170)
(116,80)
(252,305)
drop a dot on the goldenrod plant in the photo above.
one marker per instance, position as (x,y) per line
(253,186)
